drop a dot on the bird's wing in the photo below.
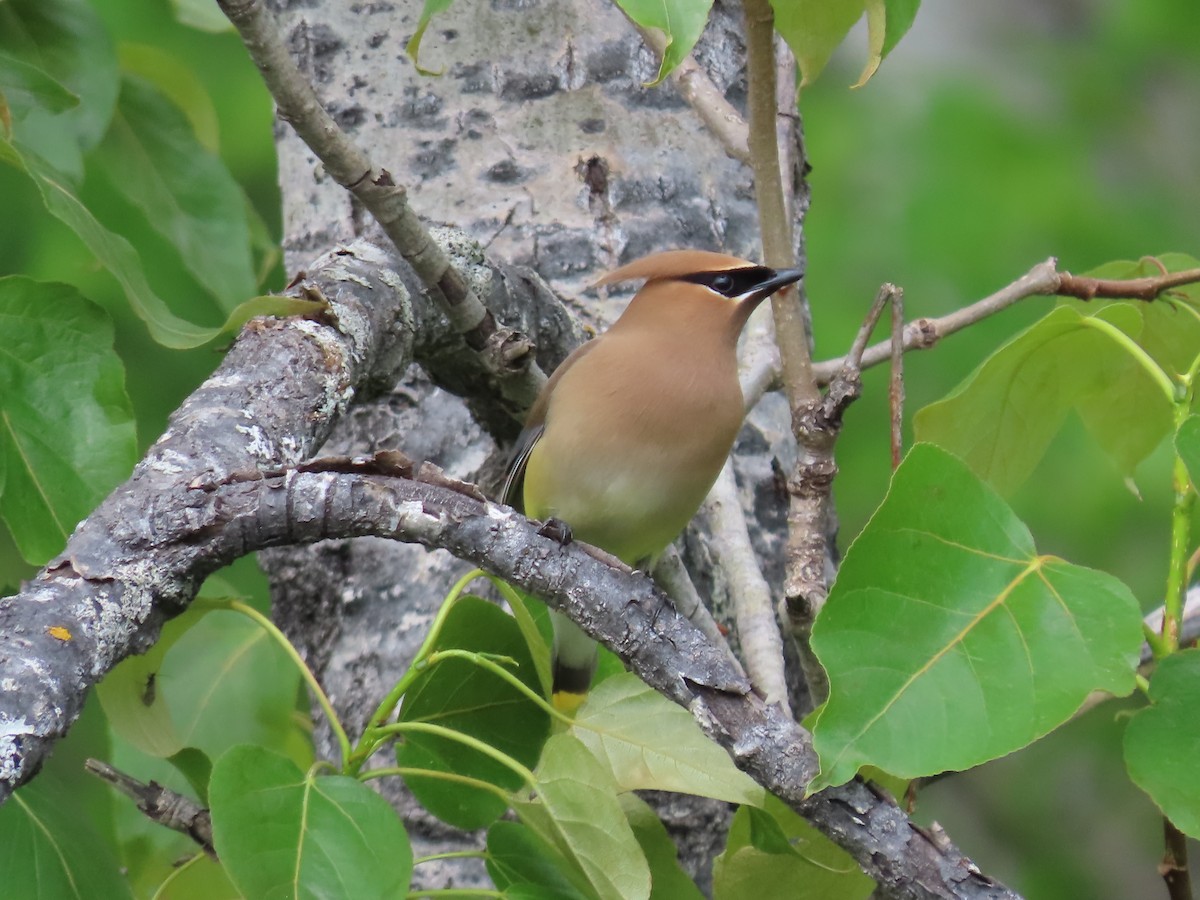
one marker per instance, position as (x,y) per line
(535,426)
(514,478)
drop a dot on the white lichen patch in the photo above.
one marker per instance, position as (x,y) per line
(412,621)
(259,445)
(11,763)
(169,462)
(291,450)
(367,252)
(111,617)
(467,255)
(354,324)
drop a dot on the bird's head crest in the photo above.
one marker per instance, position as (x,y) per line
(674,264)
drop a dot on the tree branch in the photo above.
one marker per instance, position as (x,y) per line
(623,610)
(271,403)
(1044,279)
(698,90)
(758,632)
(506,354)
(159,804)
(140,557)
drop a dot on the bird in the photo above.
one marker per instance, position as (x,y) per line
(631,430)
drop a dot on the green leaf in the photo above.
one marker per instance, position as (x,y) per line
(1163,740)
(137,710)
(649,743)
(282,833)
(518,858)
(680,21)
(1002,418)
(887,22)
(226,682)
(460,695)
(200,878)
(579,814)
(272,305)
(184,190)
(773,854)
(113,251)
(203,15)
(27,87)
(194,765)
(1170,332)
(533,618)
(668,881)
(179,83)
(900,17)
(949,641)
(48,851)
(413,47)
(813,29)
(66,425)
(68,41)
(1187,445)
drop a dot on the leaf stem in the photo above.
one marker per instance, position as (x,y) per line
(306,673)
(1144,359)
(466,740)
(484,662)
(370,737)
(1181,531)
(175,873)
(451,854)
(454,892)
(467,780)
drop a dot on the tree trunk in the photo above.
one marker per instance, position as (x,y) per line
(541,141)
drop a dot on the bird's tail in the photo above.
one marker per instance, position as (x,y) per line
(574,663)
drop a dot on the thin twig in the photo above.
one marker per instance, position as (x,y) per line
(506,354)
(896,384)
(699,92)
(791,331)
(1148,288)
(1174,866)
(758,632)
(672,576)
(160,804)
(1044,279)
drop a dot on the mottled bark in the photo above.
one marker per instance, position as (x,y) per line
(541,140)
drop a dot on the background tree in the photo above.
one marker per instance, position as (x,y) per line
(472,152)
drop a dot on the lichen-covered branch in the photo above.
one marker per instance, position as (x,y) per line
(271,403)
(199,499)
(386,496)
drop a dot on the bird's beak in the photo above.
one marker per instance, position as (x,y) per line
(781,279)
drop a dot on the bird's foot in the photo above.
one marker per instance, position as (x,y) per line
(556,530)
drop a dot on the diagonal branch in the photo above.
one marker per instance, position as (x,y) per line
(140,557)
(622,609)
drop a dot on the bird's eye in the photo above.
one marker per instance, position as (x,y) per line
(722,284)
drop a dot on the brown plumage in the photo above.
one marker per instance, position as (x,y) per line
(631,431)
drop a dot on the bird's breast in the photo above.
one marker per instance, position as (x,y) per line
(634,439)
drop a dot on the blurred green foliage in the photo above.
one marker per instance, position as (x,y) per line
(994,137)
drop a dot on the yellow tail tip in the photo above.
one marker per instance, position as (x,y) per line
(568,702)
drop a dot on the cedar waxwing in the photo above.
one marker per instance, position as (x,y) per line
(630,432)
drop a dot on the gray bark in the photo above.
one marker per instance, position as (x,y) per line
(541,141)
